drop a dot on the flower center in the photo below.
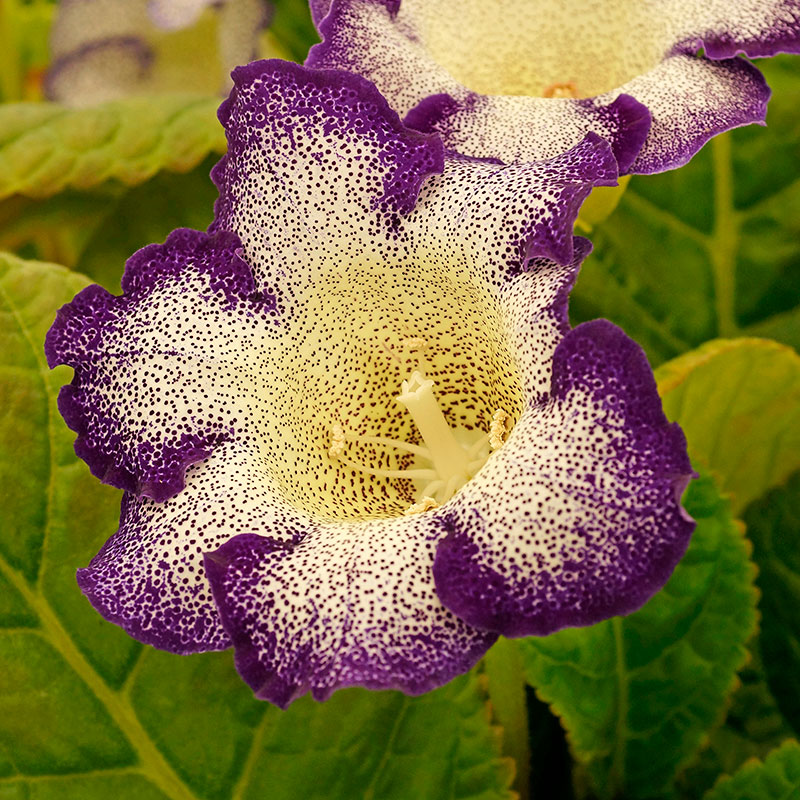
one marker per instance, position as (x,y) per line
(450,456)
(579,48)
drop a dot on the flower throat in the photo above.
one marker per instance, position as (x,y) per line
(448,457)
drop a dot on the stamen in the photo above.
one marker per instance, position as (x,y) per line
(432,487)
(498,429)
(476,448)
(411,448)
(454,460)
(425,504)
(411,474)
(413,344)
(566,89)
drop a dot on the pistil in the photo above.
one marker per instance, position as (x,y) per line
(453,461)
(448,456)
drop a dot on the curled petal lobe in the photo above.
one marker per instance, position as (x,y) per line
(136,401)
(149,576)
(573,534)
(351,605)
(684,94)
(623,122)
(526,79)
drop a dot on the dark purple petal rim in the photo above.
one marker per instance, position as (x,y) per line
(756,113)
(400,198)
(267,684)
(494,608)
(233,278)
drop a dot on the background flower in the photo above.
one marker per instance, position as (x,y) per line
(523,80)
(104,49)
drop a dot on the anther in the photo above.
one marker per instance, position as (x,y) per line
(337,442)
(498,429)
(566,89)
(413,344)
(425,504)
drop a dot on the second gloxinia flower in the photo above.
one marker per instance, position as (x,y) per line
(525,79)
(357,436)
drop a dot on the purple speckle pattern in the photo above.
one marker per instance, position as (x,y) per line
(473,125)
(138,401)
(340,236)
(348,604)
(342,173)
(684,94)
(492,82)
(583,519)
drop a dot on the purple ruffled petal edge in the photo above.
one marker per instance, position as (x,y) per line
(244,552)
(633,120)
(421,156)
(75,339)
(483,597)
(655,158)
(781,38)
(150,625)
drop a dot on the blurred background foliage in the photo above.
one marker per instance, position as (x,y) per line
(701,266)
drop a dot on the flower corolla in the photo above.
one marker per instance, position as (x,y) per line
(357,436)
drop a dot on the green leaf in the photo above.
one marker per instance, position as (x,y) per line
(713,248)
(292,27)
(777,778)
(145,214)
(753,728)
(774,527)
(95,232)
(738,402)
(88,713)
(637,694)
(46,148)
(24,50)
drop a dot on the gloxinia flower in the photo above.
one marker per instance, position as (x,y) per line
(106,49)
(357,436)
(526,79)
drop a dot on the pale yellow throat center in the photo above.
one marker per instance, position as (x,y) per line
(447,460)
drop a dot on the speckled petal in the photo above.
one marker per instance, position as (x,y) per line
(691,101)
(519,79)
(756,28)
(514,128)
(348,604)
(149,576)
(342,172)
(577,518)
(365,37)
(145,389)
